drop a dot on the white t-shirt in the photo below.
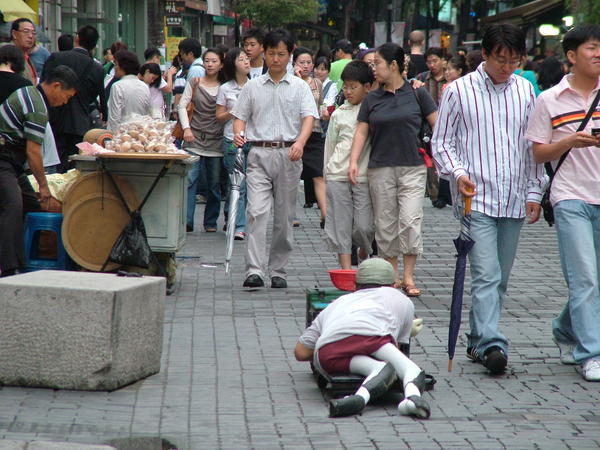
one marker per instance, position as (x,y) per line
(368,312)
(227,97)
(157,101)
(256,72)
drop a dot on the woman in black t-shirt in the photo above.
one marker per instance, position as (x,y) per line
(12,63)
(391,118)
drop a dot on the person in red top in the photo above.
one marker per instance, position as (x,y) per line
(23,36)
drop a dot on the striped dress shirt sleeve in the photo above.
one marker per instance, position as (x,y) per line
(480,133)
(23,116)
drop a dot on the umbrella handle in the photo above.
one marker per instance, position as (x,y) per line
(467,202)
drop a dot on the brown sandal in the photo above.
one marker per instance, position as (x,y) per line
(411,290)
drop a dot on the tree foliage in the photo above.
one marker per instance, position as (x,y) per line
(586,11)
(276,13)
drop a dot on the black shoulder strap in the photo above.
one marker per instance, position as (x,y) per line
(551,172)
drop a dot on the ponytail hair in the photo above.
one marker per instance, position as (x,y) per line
(391,52)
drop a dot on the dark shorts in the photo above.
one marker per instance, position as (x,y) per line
(335,357)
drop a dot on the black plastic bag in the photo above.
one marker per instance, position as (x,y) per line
(547,208)
(131,247)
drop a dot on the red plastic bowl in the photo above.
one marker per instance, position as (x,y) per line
(344,280)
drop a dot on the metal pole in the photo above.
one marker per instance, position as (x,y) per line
(390,7)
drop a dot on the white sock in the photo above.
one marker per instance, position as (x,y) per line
(364,393)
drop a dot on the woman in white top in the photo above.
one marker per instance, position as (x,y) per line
(129,95)
(151,74)
(236,69)
(203,136)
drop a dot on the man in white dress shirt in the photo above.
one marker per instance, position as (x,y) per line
(479,141)
(276,113)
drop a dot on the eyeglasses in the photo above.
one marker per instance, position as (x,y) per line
(504,62)
(28,32)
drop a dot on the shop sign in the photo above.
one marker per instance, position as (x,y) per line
(174,21)
(174,6)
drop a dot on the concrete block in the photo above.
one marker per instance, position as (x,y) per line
(45,445)
(7,444)
(79,330)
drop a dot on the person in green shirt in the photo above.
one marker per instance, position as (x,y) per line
(342,54)
(23,120)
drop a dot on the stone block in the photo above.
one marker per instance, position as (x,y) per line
(79,330)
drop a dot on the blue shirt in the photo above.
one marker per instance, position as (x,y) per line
(196,69)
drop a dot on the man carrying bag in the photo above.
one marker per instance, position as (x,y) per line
(560,128)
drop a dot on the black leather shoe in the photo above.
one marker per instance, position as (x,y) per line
(254,281)
(495,360)
(347,406)
(278,283)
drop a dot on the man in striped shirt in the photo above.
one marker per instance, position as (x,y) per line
(479,141)
(23,120)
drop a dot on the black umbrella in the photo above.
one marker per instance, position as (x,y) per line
(463,244)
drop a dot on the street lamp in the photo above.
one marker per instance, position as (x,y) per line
(547,30)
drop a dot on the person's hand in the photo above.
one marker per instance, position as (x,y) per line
(416,84)
(325,114)
(298,71)
(188,136)
(466,187)
(296,151)
(583,139)
(239,140)
(533,210)
(353,173)
(44,195)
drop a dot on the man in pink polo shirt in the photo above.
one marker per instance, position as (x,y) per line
(575,194)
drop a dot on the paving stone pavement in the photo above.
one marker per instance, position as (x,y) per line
(229,379)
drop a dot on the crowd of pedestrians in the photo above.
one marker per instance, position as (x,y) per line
(360,127)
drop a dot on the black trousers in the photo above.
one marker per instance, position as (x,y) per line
(65,145)
(17,198)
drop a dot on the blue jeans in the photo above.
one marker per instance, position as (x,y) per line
(230,150)
(578,230)
(212,166)
(491,261)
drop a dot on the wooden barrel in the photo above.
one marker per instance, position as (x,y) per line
(97,136)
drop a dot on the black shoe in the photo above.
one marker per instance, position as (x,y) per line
(440,204)
(308,205)
(189,228)
(495,360)
(278,283)
(473,355)
(347,406)
(254,281)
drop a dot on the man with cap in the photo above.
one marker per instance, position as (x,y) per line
(342,55)
(359,333)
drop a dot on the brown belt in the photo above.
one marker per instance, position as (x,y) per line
(272,144)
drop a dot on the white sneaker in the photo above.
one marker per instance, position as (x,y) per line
(591,370)
(566,352)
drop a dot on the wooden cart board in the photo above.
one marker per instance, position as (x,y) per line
(93,183)
(131,155)
(91,227)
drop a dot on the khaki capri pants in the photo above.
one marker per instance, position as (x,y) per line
(349,217)
(397,194)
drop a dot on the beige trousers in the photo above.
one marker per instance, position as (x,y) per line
(397,194)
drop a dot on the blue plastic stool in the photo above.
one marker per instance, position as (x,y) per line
(34,223)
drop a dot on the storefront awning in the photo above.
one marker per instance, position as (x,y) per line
(15,9)
(223,20)
(524,13)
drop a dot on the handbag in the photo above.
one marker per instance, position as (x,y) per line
(547,207)
(177,132)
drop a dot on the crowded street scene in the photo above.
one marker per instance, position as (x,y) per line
(299,224)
